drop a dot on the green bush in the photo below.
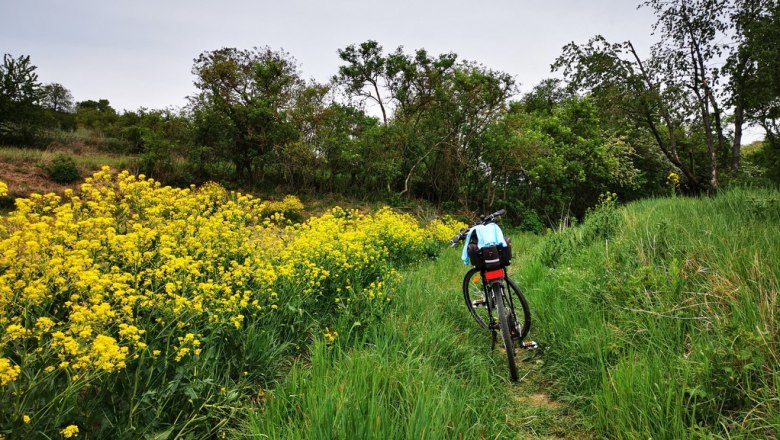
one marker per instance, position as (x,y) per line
(560,244)
(63,169)
(531,222)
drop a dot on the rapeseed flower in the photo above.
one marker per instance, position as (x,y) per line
(8,371)
(70,431)
(122,265)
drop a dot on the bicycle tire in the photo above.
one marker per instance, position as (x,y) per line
(504,316)
(518,294)
(474,290)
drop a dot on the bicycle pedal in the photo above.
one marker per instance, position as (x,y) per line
(478,303)
(529,345)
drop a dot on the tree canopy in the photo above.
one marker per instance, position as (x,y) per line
(397,124)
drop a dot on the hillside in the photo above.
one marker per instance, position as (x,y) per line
(655,320)
(207,313)
(659,318)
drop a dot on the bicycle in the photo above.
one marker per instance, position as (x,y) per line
(487,288)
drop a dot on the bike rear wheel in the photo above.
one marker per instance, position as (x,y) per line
(504,312)
(476,299)
(476,302)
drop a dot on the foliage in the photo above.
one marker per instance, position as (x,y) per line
(57,98)
(131,309)
(96,115)
(756,78)
(161,138)
(434,109)
(683,96)
(63,169)
(559,160)
(20,94)
(365,72)
(242,109)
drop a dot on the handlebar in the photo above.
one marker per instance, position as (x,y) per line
(484,220)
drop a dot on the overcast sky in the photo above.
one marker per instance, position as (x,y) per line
(139,53)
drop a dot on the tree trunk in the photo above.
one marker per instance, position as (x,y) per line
(736,146)
(669,151)
(700,80)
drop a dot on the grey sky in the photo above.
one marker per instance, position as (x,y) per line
(139,53)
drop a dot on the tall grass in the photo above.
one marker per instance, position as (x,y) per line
(425,371)
(665,326)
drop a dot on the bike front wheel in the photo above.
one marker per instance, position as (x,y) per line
(519,304)
(504,311)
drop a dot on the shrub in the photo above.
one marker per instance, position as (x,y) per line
(601,222)
(63,169)
(531,222)
(559,244)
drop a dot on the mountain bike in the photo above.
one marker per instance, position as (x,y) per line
(492,298)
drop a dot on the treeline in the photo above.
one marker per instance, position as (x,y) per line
(395,124)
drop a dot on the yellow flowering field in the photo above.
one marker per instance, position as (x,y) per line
(129,309)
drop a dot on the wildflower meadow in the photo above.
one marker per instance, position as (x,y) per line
(130,309)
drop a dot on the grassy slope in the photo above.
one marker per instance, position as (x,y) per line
(660,317)
(657,320)
(426,371)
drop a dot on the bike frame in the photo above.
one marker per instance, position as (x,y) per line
(492,281)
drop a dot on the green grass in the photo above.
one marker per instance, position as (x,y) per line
(425,371)
(665,325)
(655,320)
(88,161)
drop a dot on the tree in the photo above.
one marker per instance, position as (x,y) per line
(434,107)
(659,95)
(557,159)
(689,49)
(242,110)
(421,87)
(20,95)
(57,98)
(95,115)
(365,74)
(684,94)
(754,66)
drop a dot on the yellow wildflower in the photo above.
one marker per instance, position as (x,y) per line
(8,372)
(70,431)
(330,335)
(16,331)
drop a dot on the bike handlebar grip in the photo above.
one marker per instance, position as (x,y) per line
(499,213)
(461,236)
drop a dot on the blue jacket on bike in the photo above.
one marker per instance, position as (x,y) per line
(487,235)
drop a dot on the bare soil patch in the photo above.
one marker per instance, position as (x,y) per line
(25,178)
(538,399)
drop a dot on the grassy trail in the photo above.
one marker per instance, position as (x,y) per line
(424,371)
